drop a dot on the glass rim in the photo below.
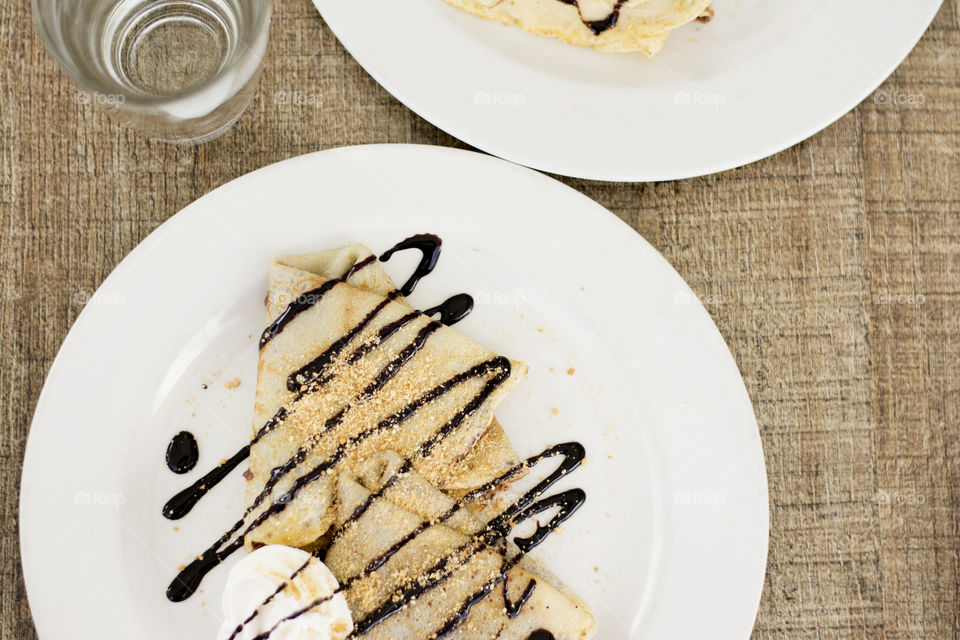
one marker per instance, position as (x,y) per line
(137,102)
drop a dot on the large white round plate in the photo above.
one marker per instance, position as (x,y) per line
(672,540)
(759,78)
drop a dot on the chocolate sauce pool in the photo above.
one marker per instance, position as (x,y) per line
(182,452)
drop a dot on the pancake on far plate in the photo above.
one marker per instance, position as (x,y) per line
(605,25)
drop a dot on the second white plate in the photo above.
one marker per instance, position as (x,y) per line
(759,78)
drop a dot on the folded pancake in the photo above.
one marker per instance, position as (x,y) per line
(347,369)
(415,566)
(494,454)
(607,25)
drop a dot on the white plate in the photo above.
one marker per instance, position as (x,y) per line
(760,77)
(672,540)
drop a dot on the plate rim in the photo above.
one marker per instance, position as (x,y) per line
(29,458)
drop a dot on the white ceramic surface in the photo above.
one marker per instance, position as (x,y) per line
(672,540)
(760,77)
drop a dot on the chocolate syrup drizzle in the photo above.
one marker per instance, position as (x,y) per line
(461,615)
(279,472)
(181,504)
(599,26)
(279,590)
(513,608)
(573,454)
(293,616)
(426,243)
(182,452)
(303,302)
(313,376)
(366,262)
(312,370)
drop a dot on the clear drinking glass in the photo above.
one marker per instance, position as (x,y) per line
(179,70)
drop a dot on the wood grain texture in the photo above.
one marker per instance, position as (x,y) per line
(832,269)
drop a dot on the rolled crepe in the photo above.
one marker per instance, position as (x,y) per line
(409,572)
(347,369)
(607,25)
(494,454)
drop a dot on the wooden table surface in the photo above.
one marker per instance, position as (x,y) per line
(832,269)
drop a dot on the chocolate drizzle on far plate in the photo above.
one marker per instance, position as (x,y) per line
(603,24)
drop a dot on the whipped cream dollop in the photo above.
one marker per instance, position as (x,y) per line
(286,593)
